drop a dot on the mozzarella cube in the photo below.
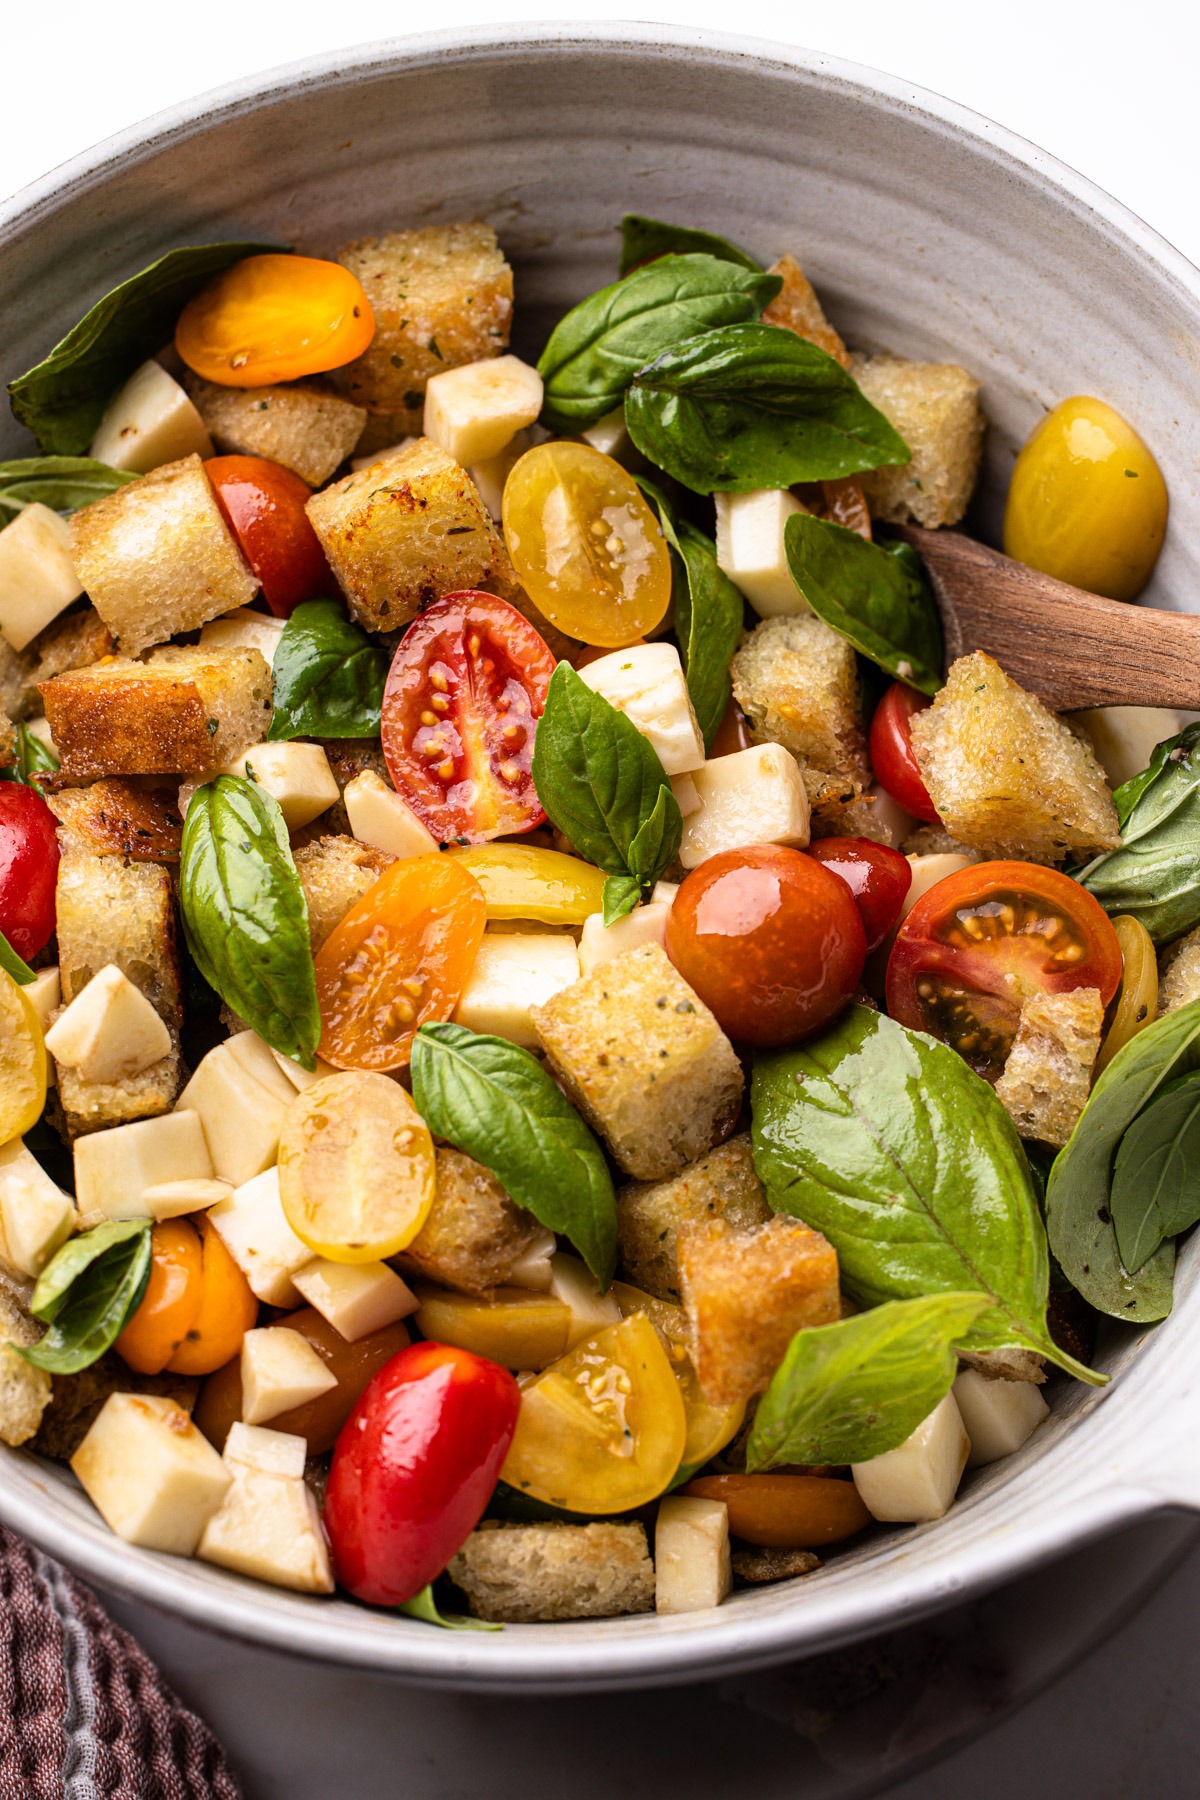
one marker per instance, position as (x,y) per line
(244,629)
(356,1298)
(610,435)
(35,1215)
(280,1370)
(687,795)
(150,421)
(109,1032)
(692,1566)
(492,473)
(37,576)
(512,972)
(999,1415)
(268,1525)
(755,796)
(176,1199)
(646,683)
(44,994)
(1124,737)
(599,942)
(271,1452)
(240,1101)
(368,461)
(379,817)
(297,775)
(751,552)
(890,821)
(917,1481)
(572,1282)
(255,1231)
(664,892)
(534,1269)
(150,1473)
(472,412)
(39,728)
(297,1077)
(114,1168)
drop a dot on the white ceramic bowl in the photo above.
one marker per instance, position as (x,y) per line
(927,230)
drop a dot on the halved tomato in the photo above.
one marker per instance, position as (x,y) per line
(986,939)
(466,689)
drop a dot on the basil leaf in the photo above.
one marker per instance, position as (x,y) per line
(847,1392)
(643,238)
(884,1139)
(496,1103)
(754,406)
(876,595)
(595,351)
(1155,874)
(62,399)
(1156,1176)
(621,895)
(709,613)
(33,758)
(70,1261)
(14,965)
(328,674)
(63,483)
(424,1606)
(92,1297)
(245,916)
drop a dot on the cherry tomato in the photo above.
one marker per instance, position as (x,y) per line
(987,938)
(878,878)
(356,1170)
(400,956)
(275,318)
(786,1512)
(522,881)
(732,734)
(23,1062)
(263,505)
(892,756)
(28,868)
(466,689)
(413,1468)
(842,502)
(197,1307)
(770,940)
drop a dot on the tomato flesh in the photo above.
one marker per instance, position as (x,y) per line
(275,318)
(467,686)
(263,505)
(28,868)
(197,1307)
(892,756)
(879,879)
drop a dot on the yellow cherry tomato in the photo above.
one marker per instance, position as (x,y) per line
(1087,502)
(275,318)
(517,1327)
(22,1062)
(587,548)
(519,881)
(709,1428)
(1137,997)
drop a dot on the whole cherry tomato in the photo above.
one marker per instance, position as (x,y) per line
(28,868)
(413,1468)
(263,505)
(197,1307)
(878,878)
(771,941)
(786,1511)
(275,318)
(892,756)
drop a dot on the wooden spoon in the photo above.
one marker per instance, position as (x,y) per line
(1068,647)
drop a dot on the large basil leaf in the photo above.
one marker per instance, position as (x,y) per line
(33,758)
(496,1103)
(847,1392)
(884,1140)
(87,1291)
(14,965)
(62,399)
(876,595)
(595,351)
(328,674)
(1156,1175)
(423,1606)
(754,406)
(245,916)
(63,483)
(708,610)
(1155,874)
(643,238)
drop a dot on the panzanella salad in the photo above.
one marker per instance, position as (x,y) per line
(554,1057)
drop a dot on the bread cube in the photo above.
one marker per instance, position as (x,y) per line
(572,1282)
(148,422)
(518,1574)
(998,1415)
(379,817)
(110,1031)
(38,579)
(599,943)
(796,308)
(297,775)
(492,473)
(36,1217)
(18,694)
(244,629)
(917,1481)
(8,737)
(1006,1364)
(475,1236)
(1008,777)
(512,974)
(1048,1074)
(474,412)
(255,1231)
(645,1062)
(25,1391)
(692,1567)
(335,872)
(149,1472)
(750,549)
(356,1298)
(114,1168)
(306,426)
(240,1097)
(754,796)
(936,409)
(646,682)
(874,815)
(797,683)
(268,1524)
(721,1185)
(72,642)
(117,817)
(1178,973)
(280,1370)
(1124,738)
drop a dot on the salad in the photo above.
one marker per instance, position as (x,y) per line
(554,1059)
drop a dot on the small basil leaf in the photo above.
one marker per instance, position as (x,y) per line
(1156,1176)
(329,676)
(63,483)
(595,351)
(62,399)
(496,1103)
(77,1254)
(876,597)
(245,916)
(89,1317)
(754,406)
(33,758)
(643,238)
(621,895)
(1155,874)
(14,965)
(423,1606)
(847,1392)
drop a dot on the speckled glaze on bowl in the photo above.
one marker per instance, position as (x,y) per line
(928,231)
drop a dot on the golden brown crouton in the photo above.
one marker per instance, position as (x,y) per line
(1007,776)
(746,1295)
(797,683)
(797,309)
(1008,1364)
(306,426)
(474,1235)
(754,1565)
(1179,973)
(77,1399)
(8,737)
(117,818)
(73,642)
(335,872)
(1048,1073)
(643,1059)
(24,1390)
(934,840)
(18,694)
(649,1213)
(517,1574)
(935,408)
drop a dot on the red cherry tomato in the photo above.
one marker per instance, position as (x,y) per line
(263,506)
(878,878)
(466,688)
(28,868)
(892,755)
(770,940)
(414,1466)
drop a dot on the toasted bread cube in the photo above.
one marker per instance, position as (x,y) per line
(572,1282)
(442,296)
(75,641)
(1048,1073)
(110,1031)
(1124,738)
(240,1097)
(244,629)
(280,1370)
(475,411)
(151,1475)
(796,308)
(268,1524)
(474,1236)
(754,796)
(746,1295)
(25,1391)
(38,579)
(490,475)
(114,1168)
(1178,973)
(1008,777)
(998,1415)
(599,943)
(797,683)
(257,1235)
(750,549)
(8,737)
(874,815)
(148,422)
(692,1567)
(721,1185)
(379,817)
(518,1574)
(297,775)
(512,974)
(116,817)
(917,1481)
(157,557)
(646,682)
(76,1401)
(18,692)
(335,872)
(1006,1364)
(936,409)
(641,1056)
(306,426)
(35,1215)
(356,1298)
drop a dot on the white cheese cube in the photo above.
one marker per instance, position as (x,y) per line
(891,824)
(512,972)
(687,795)
(150,1473)
(692,1566)
(39,728)
(244,629)
(598,941)
(473,411)
(259,1062)
(999,1415)
(37,576)
(379,817)
(256,1234)
(176,1199)
(492,473)
(610,435)
(368,461)
(268,1525)
(44,994)
(297,775)
(241,1115)
(35,1215)
(150,421)
(533,1270)
(750,548)
(110,1031)
(356,1298)
(114,1168)
(755,796)
(917,1481)
(664,891)
(572,1282)
(280,1370)
(1124,737)
(297,1077)
(271,1452)
(646,683)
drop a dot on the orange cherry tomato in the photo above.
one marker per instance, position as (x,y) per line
(786,1512)
(733,733)
(398,958)
(197,1307)
(263,505)
(275,318)
(227,1311)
